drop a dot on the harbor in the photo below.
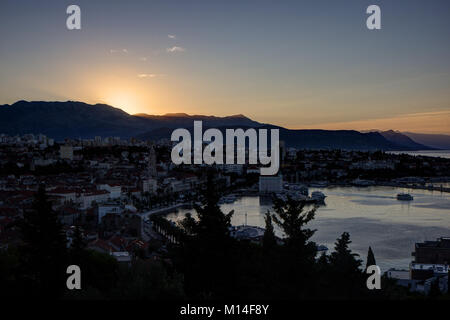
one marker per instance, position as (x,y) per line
(372,215)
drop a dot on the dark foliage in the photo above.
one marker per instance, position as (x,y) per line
(370,258)
(203,261)
(43,254)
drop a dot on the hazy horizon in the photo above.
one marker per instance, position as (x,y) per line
(296,64)
(244,115)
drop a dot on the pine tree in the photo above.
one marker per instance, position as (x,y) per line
(43,252)
(343,258)
(347,278)
(213,224)
(208,249)
(370,258)
(297,255)
(269,238)
(291,218)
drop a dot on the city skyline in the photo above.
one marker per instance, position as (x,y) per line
(297,64)
(200,156)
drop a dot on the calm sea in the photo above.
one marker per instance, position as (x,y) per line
(373,217)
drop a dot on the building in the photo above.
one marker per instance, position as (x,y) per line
(270,184)
(122,257)
(423,271)
(179,186)
(253,169)
(67,195)
(149,185)
(282,146)
(152,162)
(101,246)
(66,152)
(87,199)
(115,190)
(433,252)
(233,168)
(421,284)
(431,262)
(105,209)
(98,140)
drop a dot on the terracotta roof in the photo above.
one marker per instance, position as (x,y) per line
(118,241)
(137,244)
(61,190)
(101,244)
(95,192)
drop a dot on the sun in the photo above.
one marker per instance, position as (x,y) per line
(123,99)
(130,96)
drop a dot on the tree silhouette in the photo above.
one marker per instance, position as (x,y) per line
(297,255)
(343,258)
(207,258)
(269,238)
(347,279)
(370,258)
(291,218)
(43,253)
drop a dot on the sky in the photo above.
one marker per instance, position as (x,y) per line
(298,64)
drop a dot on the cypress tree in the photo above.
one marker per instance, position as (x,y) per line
(370,258)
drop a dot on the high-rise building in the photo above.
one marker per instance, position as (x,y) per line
(66,152)
(152,162)
(98,140)
(271,184)
(433,251)
(149,185)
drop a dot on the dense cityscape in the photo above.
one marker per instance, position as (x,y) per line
(224,159)
(112,195)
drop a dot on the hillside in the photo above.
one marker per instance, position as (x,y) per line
(73,119)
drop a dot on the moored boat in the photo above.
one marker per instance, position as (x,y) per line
(318,196)
(404,197)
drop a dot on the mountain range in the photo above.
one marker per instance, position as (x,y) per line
(437,141)
(72,119)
